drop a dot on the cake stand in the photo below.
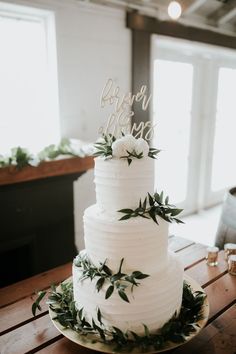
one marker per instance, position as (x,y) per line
(90,342)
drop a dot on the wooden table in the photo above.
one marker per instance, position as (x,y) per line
(21,333)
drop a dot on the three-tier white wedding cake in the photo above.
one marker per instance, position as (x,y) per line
(126,271)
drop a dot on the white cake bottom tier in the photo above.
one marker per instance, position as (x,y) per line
(141,242)
(152,303)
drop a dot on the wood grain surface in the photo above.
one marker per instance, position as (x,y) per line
(22,333)
(29,286)
(10,175)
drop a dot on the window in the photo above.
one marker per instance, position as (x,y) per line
(28,87)
(194,108)
(225,133)
(174,117)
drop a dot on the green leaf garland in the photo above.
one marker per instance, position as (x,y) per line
(21,157)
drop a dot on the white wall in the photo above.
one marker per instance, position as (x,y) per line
(93,44)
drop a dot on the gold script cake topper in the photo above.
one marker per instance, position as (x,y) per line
(119,120)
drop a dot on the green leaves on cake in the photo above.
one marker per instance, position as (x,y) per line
(153,153)
(153,206)
(126,147)
(118,281)
(176,330)
(103,146)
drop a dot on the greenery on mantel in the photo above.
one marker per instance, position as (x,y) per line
(152,206)
(118,281)
(21,157)
(176,330)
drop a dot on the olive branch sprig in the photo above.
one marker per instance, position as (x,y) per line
(152,206)
(103,148)
(119,281)
(152,153)
(131,155)
(176,330)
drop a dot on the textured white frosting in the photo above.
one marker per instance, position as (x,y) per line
(152,303)
(141,242)
(119,185)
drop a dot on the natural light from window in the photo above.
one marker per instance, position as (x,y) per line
(172,113)
(223,168)
(28,88)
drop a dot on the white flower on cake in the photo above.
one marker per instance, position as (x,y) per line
(141,146)
(127,147)
(101,140)
(122,146)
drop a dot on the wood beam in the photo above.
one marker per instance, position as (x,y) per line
(138,22)
(192,5)
(141,47)
(224,14)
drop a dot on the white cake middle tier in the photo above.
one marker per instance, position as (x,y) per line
(141,242)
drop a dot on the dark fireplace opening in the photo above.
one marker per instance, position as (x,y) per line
(37,227)
(15,264)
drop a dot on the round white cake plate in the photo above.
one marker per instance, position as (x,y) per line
(90,342)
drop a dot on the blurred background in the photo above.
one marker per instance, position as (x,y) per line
(55,58)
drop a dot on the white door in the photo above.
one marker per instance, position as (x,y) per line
(195,117)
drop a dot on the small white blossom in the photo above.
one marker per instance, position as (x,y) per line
(141,146)
(100,140)
(122,145)
(34,161)
(88,149)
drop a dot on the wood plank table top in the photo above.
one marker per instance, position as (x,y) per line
(23,333)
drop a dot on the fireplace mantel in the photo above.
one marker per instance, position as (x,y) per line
(11,175)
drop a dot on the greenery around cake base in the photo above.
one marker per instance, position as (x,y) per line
(176,330)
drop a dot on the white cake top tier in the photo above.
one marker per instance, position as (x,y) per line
(120,185)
